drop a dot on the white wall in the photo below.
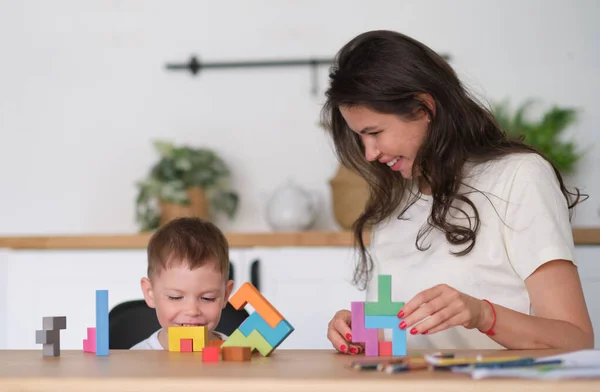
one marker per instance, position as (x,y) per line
(92,73)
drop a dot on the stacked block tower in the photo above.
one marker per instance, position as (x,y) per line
(263,330)
(370,317)
(49,335)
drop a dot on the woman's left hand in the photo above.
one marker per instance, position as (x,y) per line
(446,307)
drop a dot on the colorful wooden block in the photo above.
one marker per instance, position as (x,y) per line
(238,354)
(101,322)
(255,341)
(186,345)
(215,343)
(385,349)
(211,354)
(248,294)
(389,322)
(89,344)
(198,334)
(384,305)
(360,334)
(274,336)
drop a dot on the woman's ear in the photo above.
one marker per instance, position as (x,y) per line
(428,100)
(228,290)
(148,292)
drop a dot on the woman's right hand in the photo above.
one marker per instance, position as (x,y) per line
(339,333)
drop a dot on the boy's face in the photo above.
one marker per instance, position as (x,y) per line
(184,297)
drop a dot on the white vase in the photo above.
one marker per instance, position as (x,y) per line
(291,208)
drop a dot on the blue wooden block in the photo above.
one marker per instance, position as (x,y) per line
(275,336)
(390,322)
(101,322)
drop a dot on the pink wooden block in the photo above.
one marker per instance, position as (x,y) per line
(89,344)
(385,349)
(186,345)
(360,334)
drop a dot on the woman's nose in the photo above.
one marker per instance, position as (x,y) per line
(371,152)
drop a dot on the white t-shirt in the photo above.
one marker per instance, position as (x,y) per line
(152,343)
(524,223)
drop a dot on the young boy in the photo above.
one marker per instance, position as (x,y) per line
(188,278)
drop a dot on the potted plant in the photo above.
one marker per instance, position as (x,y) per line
(545,133)
(185,181)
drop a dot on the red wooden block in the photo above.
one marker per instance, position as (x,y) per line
(210,354)
(186,345)
(385,349)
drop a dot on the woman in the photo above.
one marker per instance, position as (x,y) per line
(473,227)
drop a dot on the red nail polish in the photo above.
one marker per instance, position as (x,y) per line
(402,325)
(353,350)
(349,337)
(413,331)
(424,332)
(401,314)
(343,348)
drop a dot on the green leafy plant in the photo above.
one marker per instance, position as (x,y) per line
(545,134)
(179,169)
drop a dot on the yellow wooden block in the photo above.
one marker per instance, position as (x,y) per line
(199,336)
(255,341)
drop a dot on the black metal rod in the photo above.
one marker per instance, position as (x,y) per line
(195,66)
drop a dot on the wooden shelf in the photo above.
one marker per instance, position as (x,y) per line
(582,236)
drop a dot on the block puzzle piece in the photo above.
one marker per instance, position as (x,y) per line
(215,343)
(49,336)
(198,335)
(255,341)
(54,322)
(101,322)
(211,354)
(398,335)
(186,345)
(248,294)
(360,334)
(238,354)
(384,305)
(273,336)
(385,349)
(89,344)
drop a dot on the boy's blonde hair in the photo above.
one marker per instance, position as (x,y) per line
(193,241)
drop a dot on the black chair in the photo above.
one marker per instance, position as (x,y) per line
(133,321)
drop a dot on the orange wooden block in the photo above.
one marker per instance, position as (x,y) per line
(210,354)
(238,354)
(385,349)
(186,345)
(215,343)
(248,294)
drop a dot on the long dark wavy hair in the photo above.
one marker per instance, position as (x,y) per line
(388,72)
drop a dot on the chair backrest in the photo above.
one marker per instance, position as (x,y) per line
(133,321)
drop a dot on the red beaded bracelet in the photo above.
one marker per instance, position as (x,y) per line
(490,332)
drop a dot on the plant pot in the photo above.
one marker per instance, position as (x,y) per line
(350,193)
(198,207)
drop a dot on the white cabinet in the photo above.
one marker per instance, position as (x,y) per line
(307,286)
(35,284)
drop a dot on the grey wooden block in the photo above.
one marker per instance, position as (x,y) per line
(47,336)
(51,350)
(55,322)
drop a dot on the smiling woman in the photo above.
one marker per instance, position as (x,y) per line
(473,223)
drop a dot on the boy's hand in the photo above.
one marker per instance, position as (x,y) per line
(340,334)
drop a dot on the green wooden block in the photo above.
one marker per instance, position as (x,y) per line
(384,288)
(255,341)
(382,308)
(384,305)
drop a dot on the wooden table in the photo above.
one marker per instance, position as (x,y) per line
(285,370)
